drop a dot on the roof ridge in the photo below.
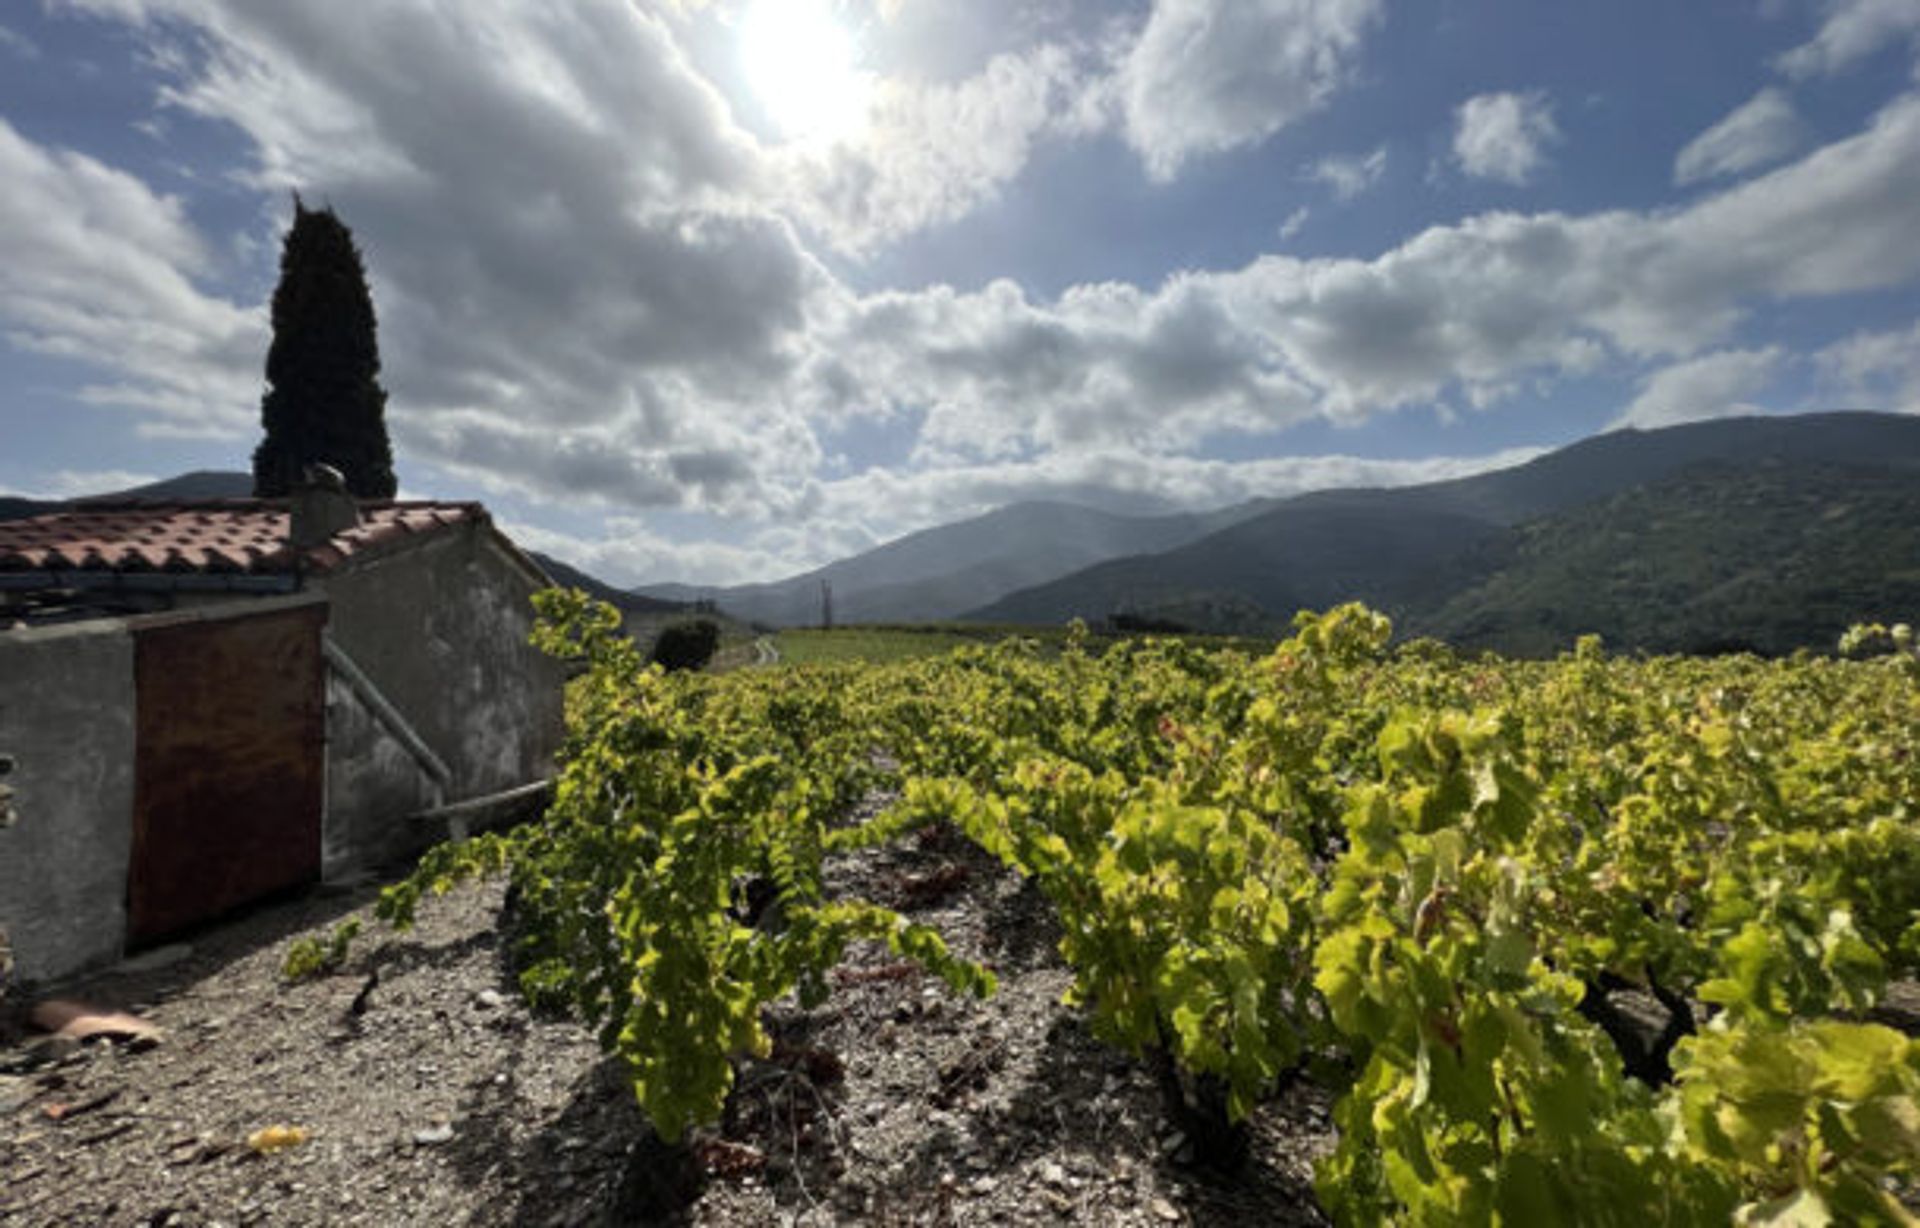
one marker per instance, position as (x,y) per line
(209,536)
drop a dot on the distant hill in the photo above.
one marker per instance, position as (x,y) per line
(200,484)
(1412,550)
(937,573)
(12,508)
(566,576)
(1282,561)
(1764,556)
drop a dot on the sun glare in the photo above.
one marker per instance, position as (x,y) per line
(799,61)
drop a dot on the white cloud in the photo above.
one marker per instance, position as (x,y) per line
(1348,175)
(1479,307)
(1715,385)
(861,512)
(1874,370)
(933,152)
(1761,130)
(577,307)
(578,293)
(1852,30)
(75,483)
(1504,136)
(999,374)
(1213,75)
(1291,224)
(630,554)
(98,268)
(15,43)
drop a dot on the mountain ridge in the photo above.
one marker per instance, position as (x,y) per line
(932,574)
(1400,547)
(1460,558)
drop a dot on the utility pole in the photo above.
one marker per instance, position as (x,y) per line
(826,605)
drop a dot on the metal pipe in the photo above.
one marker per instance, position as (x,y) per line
(456,814)
(383,708)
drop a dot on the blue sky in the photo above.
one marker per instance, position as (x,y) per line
(716,291)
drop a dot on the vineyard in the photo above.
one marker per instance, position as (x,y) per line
(1591,940)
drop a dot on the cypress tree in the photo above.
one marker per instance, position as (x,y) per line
(324,402)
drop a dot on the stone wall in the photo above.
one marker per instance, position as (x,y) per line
(67,719)
(441,629)
(373,782)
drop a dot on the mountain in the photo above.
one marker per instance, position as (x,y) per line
(12,508)
(936,573)
(567,576)
(200,484)
(1604,465)
(1410,550)
(1765,556)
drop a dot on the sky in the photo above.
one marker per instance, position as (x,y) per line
(719,291)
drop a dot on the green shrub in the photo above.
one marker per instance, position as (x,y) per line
(687,645)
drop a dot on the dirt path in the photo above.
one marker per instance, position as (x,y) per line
(444,1101)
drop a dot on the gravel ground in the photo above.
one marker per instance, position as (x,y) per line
(443,1100)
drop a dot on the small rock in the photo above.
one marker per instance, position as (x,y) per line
(489,1000)
(1061,1204)
(1172,1143)
(1165,1210)
(64,1017)
(985,1185)
(1053,1174)
(434,1135)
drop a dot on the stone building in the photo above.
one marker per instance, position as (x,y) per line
(208,703)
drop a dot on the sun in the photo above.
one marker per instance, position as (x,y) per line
(800,62)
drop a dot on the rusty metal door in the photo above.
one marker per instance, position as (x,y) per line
(230,750)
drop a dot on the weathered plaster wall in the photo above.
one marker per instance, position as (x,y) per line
(67,718)
(372,781)
(441,628)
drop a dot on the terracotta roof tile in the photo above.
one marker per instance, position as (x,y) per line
(225,536)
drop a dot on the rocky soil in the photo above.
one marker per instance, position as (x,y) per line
(430,1094)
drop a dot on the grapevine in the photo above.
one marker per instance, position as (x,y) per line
(1425,880)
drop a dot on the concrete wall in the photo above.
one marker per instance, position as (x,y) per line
(441,628)
(67,717)
(372,782)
